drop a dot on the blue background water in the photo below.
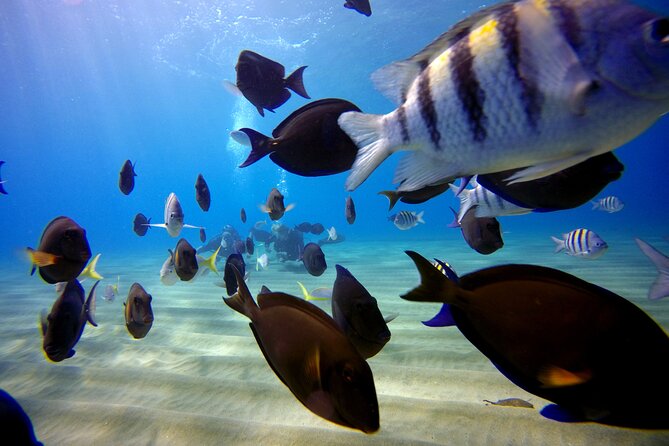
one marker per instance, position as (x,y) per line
(85,85)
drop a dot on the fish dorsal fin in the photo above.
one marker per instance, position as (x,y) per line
(300,111)
(268,300)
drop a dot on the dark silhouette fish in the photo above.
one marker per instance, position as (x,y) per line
(15,424)
(63,251)
(63,326)
(138,311)
(2,182)
(203,235)
(141,224)
(317,229)
(590,351)
(185,260)
(126,177)
(309,142)
(250,247)
(305,226)
(262,81)
(275,206)
(202,194)
(414,196)
(482,234)
(261,235)
(362,6)
(309,353)
(314,259)
(242,215)
(358,315)
(349,211)
(231,283)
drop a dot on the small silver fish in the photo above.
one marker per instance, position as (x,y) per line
(406,219)
(174,217)
(581,243)
(608,204)
(111,291)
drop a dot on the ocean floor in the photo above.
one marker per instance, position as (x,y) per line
(199,378)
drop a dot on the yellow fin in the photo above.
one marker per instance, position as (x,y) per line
(307,295)
(554,376)
(211,261)
(40,258)
(90,271)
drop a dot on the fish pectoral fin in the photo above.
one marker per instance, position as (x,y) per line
(193,227)
(312,366)
(43,322)
(289,207)
(40,258)
(264,208)
(155,225)
(390,317)
(231,88)
(553,376)
(545,169)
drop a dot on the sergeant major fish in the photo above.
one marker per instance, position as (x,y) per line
(608,204)
(581,243)
(174,217)
(535,84)
(406,219)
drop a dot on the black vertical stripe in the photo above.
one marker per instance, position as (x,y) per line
(427,110)
(567,22)
(468,88)
(402,117)
(530,95)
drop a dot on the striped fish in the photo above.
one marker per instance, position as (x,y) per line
(581,243)
(487,203)
(608,204)
(406,219)
(534,85)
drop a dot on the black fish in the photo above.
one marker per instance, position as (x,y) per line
(250,247)
(275,206)
(2,188)
(242,215)
(138,311)
(414,196)
(350,210)
(314,259)
(126,180)
(317,229)
(358,315)
(482,234)
(304,227)
(261,235)
(566,189)
(261,81)
(309,142)
(229,278)
(63,251)
(593,353)
(63,326)
(289,245)
(185,260)
(202,194)
(203,235)
(141,224)
(362,6)
(15,424)
(308,352)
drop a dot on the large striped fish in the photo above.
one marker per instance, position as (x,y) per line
(535,84)
(581,243)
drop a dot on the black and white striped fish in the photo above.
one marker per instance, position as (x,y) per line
(487,203)
(540,85)
(581,243)
(608,204)
(406,219)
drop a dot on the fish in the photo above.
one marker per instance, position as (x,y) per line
(174,217)
(311,356)
(304,227)
(511,402)
(406,219)
(528,62)
(332,233)
(443,318)
(329,241)
(250,246)
(111,291)
(262,262)
(242,215)
(2,182)
(126,180)
(660,288)
(89,270)
(586,349)
(63,326)
(141,224)
(203,235)
(185,260)
(313,259)
(315,294)
(202,193)
(138,311)
(349,211)
(362,6)
(168,275)
(62,253)
(259,224)
(15,422)
(608,204)
(275,206)
(261,235)
(309,142)
(234,262)
(263,83)
(482,234)
(413,197)
(317,229)
(484,202)
(358,315)
(581,243)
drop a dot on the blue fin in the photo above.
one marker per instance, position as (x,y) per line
(442,319)
(557,413)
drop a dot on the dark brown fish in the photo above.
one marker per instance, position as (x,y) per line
(262,81)
(237,261)
(63,326)
(358,315)
(138,311)
(242,215)
(15,424)
(202,194)
(592,352)
(203,235)
(317,229)
(185,260)
(309,353)
(482,234)
(126,180)
(350,210)
(250,247)
(309,142)
(62,253)
(314,259)
(362,6)
(415,196)
(275,206)
(141,224)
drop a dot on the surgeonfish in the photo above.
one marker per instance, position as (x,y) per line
(312,357)
(274,206)
(234,262)
(141,224)
(138,311)
(2,182)
(590,351)
(15,423)
(314,259)
(63,326)
(406,219)
(482,234)
(361,6)
(660,287)
(174,217)
(242,215)
(126,180)
(349,211)
(202,193)
(581,243)
(608,204)
(535,84)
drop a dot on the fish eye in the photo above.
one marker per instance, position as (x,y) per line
(347,373)
(659,31)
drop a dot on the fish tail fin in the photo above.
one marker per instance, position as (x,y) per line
(295,82)
(90,306)
(455,223)
(392,197)
(434,286)
(366,131)
(595,204)
(40,259)
(211,261)
(90,271)
(559,244)
(419,217)
(304,290)
(242,301)
(660,287)
(259,145)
